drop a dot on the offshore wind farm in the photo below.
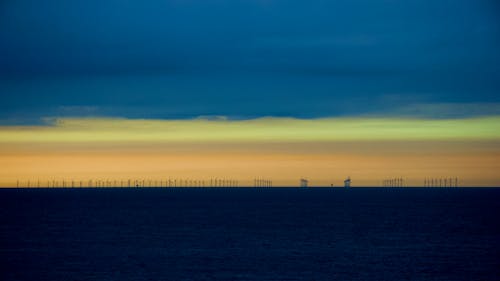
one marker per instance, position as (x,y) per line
(216,182)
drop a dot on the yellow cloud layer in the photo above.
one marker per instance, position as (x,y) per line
(263,129)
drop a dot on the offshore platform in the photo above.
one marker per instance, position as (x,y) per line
(347,182)
(304,182)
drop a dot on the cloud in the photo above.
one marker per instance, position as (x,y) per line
(443,110)
(118,130)
(77,110)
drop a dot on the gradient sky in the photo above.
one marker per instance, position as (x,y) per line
(282,89)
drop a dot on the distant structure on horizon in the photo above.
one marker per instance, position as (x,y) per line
(304,182)
(135,183)
(259,182)
(441,182)
(347,182)
(394,182)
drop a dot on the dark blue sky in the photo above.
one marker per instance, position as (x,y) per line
(248,58)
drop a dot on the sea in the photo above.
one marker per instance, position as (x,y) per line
(250,234)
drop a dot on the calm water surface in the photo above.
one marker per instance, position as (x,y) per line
(250,234)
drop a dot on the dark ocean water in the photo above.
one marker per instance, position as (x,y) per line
(250,234)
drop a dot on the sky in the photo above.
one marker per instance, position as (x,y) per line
(370,89)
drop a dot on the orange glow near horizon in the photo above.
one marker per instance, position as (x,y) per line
(324,161)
